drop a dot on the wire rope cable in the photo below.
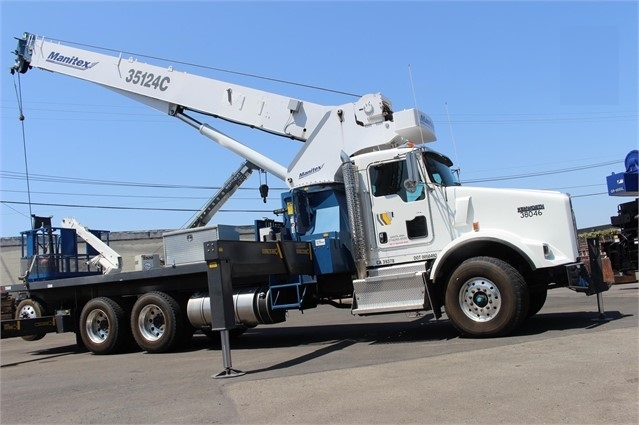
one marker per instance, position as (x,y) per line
(211,68)
(18,90)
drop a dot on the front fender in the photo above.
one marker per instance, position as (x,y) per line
(537,253)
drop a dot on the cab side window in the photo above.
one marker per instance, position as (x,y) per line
(388,179)
(385,178)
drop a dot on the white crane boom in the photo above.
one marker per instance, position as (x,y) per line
(364,125)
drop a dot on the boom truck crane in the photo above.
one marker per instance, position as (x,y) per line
(373,215)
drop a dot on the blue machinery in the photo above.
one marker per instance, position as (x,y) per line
(625,184)
(54,253)
(623,253)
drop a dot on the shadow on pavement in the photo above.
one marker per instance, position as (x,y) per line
(334,337)
(420,330)
(50,353)
(545,322)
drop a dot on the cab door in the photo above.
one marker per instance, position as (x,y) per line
(401,217)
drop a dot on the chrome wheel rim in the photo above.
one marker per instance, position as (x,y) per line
(480,299)
(151,322)
(97,326)
(28,312)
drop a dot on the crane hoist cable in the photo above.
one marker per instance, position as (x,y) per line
(18,89)
(243,74)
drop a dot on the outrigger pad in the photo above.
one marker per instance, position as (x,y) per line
(229,373)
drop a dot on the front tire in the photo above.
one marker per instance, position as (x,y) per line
(537,300)
(486,297)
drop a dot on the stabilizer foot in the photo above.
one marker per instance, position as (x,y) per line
(600,307)
(229,373)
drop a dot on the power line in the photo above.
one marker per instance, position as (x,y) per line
(534,118)
(106,195)
(191,210)
(85,111)
(589,194)
(578,186)
(111,207)
(541,173)
(77,180)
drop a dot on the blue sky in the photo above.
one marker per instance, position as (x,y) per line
(539,95)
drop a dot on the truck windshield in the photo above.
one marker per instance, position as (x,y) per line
(439,171)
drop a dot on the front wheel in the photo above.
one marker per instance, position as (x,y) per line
(486,297)
(537,300)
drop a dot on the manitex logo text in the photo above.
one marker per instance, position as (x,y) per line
(70,61)
(313,170)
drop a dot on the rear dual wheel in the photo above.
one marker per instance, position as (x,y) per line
(104,326)
(157,322)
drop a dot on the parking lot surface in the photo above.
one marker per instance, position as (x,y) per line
(566,365)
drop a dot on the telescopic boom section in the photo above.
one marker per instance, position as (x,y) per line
(221,196)
(369,123)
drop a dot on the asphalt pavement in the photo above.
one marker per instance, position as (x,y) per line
(568,364)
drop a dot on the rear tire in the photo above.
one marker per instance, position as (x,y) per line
(104,326)
(157,322)
(30,309)
(486,297)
